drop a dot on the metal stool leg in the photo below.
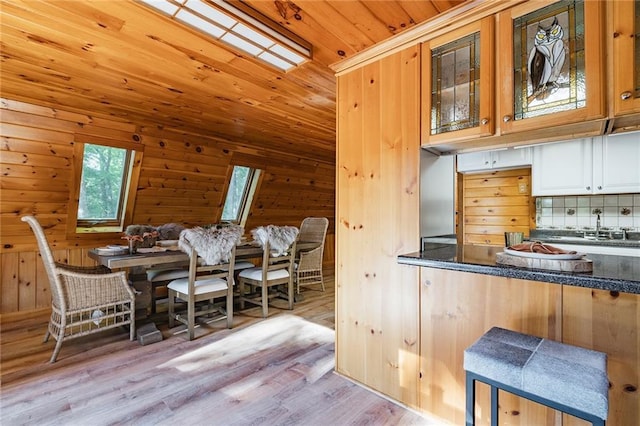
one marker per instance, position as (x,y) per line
(494,406)
(471,400)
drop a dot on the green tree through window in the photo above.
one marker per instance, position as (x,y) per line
(239,194)
(104,176)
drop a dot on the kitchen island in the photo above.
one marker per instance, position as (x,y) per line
(463,293)
(610,272)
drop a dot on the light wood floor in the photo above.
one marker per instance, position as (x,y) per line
(261,372)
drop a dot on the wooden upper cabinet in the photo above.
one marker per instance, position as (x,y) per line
(626,56)
(457,84)
(551,65)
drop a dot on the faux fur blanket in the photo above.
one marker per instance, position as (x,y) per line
(169,231)
(212,244)
(279,238)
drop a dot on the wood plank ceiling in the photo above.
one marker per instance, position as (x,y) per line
(120,60)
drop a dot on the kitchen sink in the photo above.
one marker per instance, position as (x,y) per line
(590,239)
(567,238)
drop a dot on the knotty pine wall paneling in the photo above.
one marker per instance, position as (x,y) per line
(182,179)
(495,202)
(377,204)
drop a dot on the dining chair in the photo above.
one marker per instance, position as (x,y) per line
(161,277)
(278,255)
(84,299)
(211,270)
(308,267)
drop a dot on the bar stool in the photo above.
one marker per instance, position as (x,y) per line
(563,377)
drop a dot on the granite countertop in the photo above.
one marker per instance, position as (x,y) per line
(610,272)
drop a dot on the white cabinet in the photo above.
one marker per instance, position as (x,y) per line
(601,165)
(500,159)
(563,168)
(616,163)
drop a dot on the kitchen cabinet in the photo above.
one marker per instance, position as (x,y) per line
(625,36)
(456,308)
(616,163)
(550,65)
(457,83)
(566,100)
(600,165)
(563,168)
(499,159)
(607,321)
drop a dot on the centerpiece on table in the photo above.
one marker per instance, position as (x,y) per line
(139,236)
(145,236)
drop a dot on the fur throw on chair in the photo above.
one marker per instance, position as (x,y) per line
(214,245)
(279,238)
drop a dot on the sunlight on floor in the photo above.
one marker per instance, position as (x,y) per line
(279,330)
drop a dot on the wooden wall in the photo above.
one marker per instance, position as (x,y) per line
(182,180)
(494,203)
(377,204)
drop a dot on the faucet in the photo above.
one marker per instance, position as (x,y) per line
(598,226)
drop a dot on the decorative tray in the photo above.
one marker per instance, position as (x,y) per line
(112,250)
(532,255)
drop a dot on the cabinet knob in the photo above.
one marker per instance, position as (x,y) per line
(484,121)
(427,282)
(494,161)
(588,188)
(625,95)
(506,118)
(486,163)
(599,187)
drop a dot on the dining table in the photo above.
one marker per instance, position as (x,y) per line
(157,257)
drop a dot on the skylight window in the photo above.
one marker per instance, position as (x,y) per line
(240,27)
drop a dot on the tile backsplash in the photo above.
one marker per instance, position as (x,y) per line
(580,212)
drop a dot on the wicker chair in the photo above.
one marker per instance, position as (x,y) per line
(84,300)
(309,263)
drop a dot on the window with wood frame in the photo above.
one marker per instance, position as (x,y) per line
(242,186)
(105,178)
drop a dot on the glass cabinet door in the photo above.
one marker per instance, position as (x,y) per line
(548,60)
(457,84)
(626,56)
(551,63)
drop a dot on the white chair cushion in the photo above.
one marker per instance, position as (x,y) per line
(256,274)
(201,286)
(154,275)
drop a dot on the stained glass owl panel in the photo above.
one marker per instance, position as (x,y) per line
(549,60)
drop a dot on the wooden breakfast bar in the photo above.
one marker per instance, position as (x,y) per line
(464,293)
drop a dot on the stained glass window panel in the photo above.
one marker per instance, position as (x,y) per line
(455,85)
(549,69)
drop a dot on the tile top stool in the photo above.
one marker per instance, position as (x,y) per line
(564,377)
